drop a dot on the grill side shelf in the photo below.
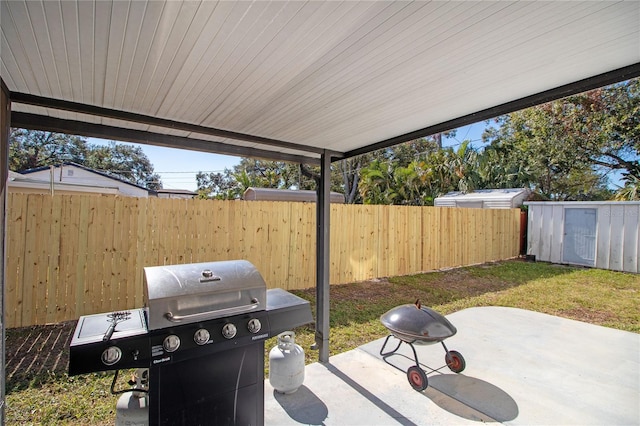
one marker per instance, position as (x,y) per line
(286,311)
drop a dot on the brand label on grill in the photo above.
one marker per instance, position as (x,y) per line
(161,360)
(260,336)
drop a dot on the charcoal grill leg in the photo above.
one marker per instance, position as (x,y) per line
(415,354)
(386,354)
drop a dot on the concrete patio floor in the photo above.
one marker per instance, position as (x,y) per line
(522,368)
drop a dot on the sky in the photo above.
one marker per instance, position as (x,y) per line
(178,167)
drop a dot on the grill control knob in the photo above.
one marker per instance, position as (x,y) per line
(201,336)
(254,325)
(171,343)
(111,355)
(229,331)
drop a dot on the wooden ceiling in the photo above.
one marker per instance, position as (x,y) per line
(291,79)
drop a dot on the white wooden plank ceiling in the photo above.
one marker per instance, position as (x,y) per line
(333,75)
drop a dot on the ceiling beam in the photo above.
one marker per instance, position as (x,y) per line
(601,80)
(39,122)
(28,99)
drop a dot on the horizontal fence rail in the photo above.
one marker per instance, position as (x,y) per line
(73,255)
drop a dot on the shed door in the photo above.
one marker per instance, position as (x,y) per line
(579,236)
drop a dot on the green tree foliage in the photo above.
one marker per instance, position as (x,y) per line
(128,162)
(251,172)
(402,174)
(528,150)
(631,190)
(377,185)
(29,149)
(568,148)
(346,175)
(34,148)
(218,185)
(463,163)
(417,177)
(349,169)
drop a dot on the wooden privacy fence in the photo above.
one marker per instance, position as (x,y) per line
(72,255)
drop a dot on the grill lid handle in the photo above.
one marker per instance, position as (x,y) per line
(255,303)
(207,276)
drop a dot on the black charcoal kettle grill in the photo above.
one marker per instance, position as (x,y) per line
(415,324)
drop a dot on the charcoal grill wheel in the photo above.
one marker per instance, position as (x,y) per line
(417,378)
(455,361)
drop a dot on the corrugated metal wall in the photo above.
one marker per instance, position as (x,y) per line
(555,237)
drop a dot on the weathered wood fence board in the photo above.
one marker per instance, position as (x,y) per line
(71,255)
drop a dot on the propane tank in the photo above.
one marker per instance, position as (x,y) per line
(132,408)
(286,364)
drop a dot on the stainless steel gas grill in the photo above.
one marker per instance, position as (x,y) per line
(201,334)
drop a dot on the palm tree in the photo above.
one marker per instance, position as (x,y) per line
(630,191)
(376,184)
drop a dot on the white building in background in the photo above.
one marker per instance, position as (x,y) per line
(73,178)
(183,194)
(509,198)
(17,182)
(271,194)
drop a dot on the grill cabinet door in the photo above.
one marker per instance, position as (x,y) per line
(225,388)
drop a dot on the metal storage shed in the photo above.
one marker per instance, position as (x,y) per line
(508,198)
(597,234)
(272,194)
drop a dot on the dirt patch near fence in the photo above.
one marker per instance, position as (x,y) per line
(588,315)
(431,288)
(33,354)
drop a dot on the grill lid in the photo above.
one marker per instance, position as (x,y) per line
(183,294)
(417,323)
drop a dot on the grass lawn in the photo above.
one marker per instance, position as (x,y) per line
(606,298)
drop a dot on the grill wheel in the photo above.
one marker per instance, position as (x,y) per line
(417,378)
(455,361)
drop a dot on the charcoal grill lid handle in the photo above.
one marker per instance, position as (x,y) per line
(255,304)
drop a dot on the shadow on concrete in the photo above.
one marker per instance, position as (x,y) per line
(475,393)
(303,406)
(390,411)
(478,394)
